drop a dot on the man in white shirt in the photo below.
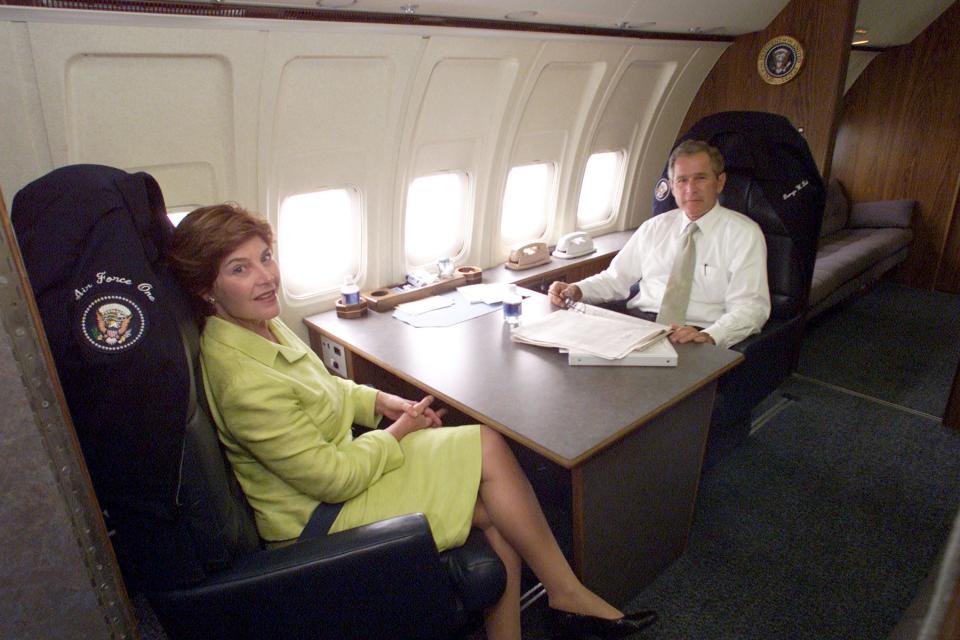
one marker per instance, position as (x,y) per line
(729,297)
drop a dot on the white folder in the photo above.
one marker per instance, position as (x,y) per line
(659,354)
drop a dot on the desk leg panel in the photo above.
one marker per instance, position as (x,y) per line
(633,503)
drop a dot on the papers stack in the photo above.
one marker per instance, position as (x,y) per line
(598,336)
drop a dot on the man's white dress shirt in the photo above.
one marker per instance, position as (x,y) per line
(730,298)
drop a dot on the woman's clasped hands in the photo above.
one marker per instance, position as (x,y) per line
(408,416)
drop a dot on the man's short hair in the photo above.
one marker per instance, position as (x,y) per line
(693,147)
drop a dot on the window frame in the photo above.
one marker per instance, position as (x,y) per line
(549,200)
(357,213)
(466,185)
(616,191)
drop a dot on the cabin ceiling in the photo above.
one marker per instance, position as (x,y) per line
(888,22)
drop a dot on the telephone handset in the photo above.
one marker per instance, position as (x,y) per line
(528,255)
(574,245)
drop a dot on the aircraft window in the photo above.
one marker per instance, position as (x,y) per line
(319,240)
(525,201)
(176,214)
(601,185)
(436,217)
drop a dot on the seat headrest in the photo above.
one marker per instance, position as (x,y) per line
(54,215)
(767,149)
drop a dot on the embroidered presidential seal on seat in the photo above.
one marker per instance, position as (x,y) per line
(112,323)
(662,190)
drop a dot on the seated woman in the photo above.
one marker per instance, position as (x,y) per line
(286,425)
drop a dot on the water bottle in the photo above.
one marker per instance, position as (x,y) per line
(349,292)
(512,306)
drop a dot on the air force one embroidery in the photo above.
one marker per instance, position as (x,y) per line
(662,190)
(112,323)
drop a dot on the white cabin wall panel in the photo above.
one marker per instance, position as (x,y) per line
(638,92)
(561,104)
(635,95)
(553,113)
(180,104)
(331,114)
(331,103)
(140,123)
(463,99)
(540,145)
(25,152)
(461,103)
(329,123)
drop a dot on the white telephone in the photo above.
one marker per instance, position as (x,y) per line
(574,245)
(525,256)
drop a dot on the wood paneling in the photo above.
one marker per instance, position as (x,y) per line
(948,271)
(898,138)
(951,417)
(812,99)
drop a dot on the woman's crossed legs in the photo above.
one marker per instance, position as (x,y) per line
(510,516)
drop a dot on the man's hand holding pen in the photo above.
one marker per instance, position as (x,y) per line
(563,294)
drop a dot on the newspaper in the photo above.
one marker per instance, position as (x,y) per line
(594,331)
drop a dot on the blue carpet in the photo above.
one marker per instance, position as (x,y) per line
(896,343)
(822,526)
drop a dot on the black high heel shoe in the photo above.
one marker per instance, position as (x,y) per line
(577,625)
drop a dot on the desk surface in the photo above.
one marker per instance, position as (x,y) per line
(525,391)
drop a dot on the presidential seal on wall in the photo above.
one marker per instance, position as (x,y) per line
(780,60)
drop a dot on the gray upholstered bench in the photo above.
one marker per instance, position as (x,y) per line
(858,244)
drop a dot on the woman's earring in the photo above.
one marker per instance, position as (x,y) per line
(211,300)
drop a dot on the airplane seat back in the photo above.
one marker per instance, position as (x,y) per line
(124,341)
(773,179)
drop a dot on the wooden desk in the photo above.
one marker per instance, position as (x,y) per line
(628,441)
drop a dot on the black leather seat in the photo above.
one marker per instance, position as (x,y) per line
(773,179)
(181,528)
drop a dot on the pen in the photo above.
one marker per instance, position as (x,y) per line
(574,306)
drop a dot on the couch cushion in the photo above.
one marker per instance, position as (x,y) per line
(883,213)
(837,209)
(846,254)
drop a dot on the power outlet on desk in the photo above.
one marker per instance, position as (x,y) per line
(333,356)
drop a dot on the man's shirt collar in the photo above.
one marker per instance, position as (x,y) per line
(706,222)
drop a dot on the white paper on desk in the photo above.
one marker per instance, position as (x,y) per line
(598,334)
(490,293)
(432,303)
(472,292)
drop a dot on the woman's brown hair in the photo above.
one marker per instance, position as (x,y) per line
(204,239)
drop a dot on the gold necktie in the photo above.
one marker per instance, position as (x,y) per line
(676,297)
